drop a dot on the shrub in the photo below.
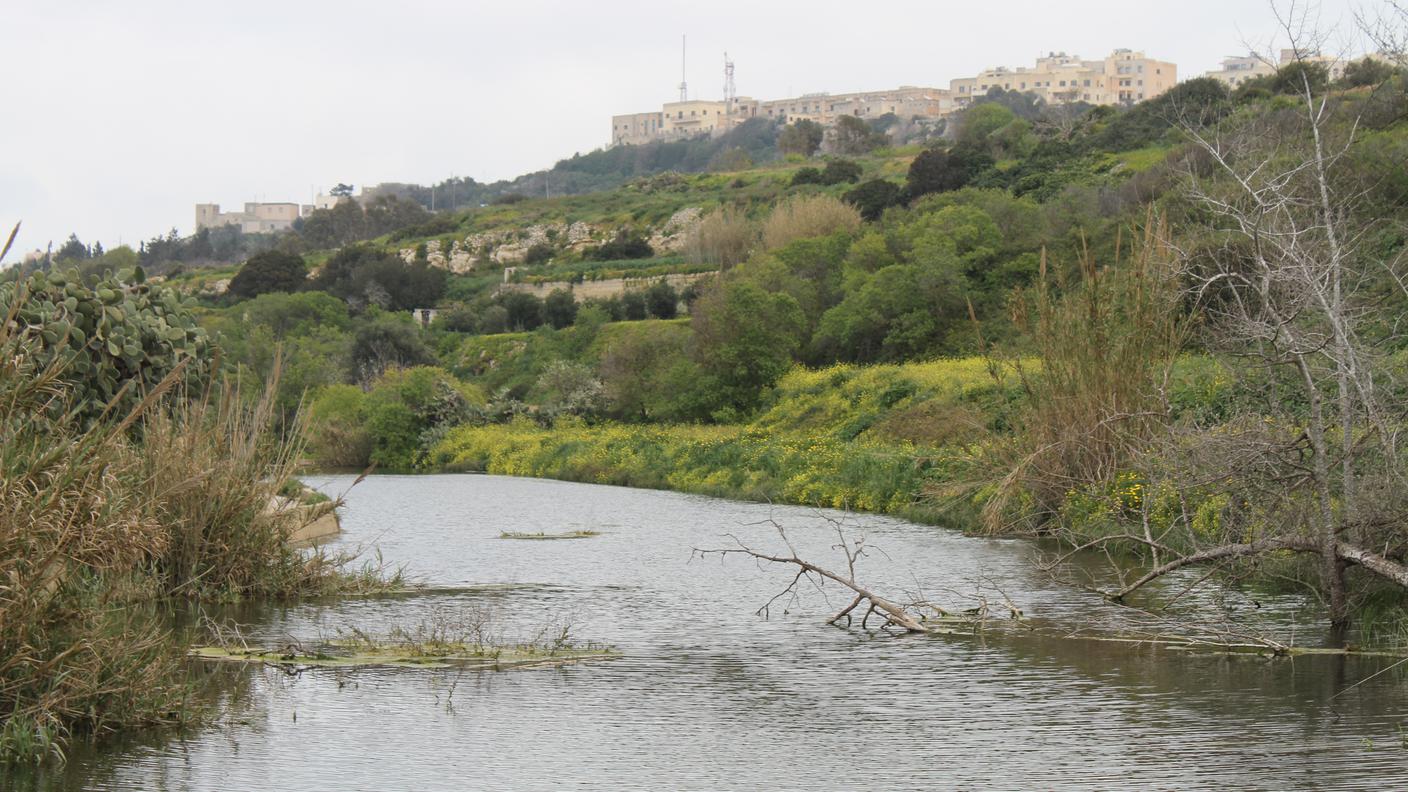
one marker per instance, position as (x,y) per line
(540,253)
(723,238)
(406,406)
(872,198)
(802,217)
(270,271)
(386,342)
(840,171)
(625,245)
(559,308)
(338,436)
(661,300)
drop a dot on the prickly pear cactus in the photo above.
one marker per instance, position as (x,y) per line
(120,330)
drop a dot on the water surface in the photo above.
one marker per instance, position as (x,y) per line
(708,695)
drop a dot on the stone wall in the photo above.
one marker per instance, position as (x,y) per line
(605,289)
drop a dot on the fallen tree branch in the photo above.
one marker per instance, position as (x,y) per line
(895,615)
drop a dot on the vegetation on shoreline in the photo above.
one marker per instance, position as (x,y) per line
(113,504)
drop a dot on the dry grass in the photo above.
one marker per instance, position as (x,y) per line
(169,500)
(801,217)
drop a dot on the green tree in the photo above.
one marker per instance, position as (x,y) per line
(270,271)
(802,137)
(936,170)
(633,306)
(744,340)
(559,308)
(405,407)
(524,311)
(72,250)
(384,343)
(365,276)
(854,136)
(1366,71)
(661,300)
(872,198)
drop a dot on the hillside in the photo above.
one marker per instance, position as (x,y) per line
(1027,328)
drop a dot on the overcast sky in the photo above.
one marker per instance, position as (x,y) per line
(118,117)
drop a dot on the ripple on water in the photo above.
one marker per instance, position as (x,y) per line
(708,696)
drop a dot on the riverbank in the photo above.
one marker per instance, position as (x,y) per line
(884,439)
(743,463)
(865,438)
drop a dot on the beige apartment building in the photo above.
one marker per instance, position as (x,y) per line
(1237,69)
(907,101)
(1124,77)
(257,218)
(678,120)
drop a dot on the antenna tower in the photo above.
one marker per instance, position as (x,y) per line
(684,84)
(730,93)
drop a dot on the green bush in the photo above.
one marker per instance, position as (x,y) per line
(405,408)
(340,436)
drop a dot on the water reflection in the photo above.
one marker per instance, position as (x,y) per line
(708,696)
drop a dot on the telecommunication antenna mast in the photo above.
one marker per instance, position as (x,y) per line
(730,92)
(684,84)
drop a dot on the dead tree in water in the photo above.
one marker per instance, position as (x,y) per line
(906,617)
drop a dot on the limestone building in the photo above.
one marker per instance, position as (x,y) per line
(257,218)
(1237,69)
(1124,77)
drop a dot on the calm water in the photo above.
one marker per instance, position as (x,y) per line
(710,696)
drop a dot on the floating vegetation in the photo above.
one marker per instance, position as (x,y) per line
(347,653)
(464,638)
(544,536)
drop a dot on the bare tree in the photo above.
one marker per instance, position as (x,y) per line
(1289,286)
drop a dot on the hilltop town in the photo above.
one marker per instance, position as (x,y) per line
(1123,78)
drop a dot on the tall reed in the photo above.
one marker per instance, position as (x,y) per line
(97,517)
(1106,346)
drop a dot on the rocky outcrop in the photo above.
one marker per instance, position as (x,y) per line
(674,233)
(312,521)
(510,247)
